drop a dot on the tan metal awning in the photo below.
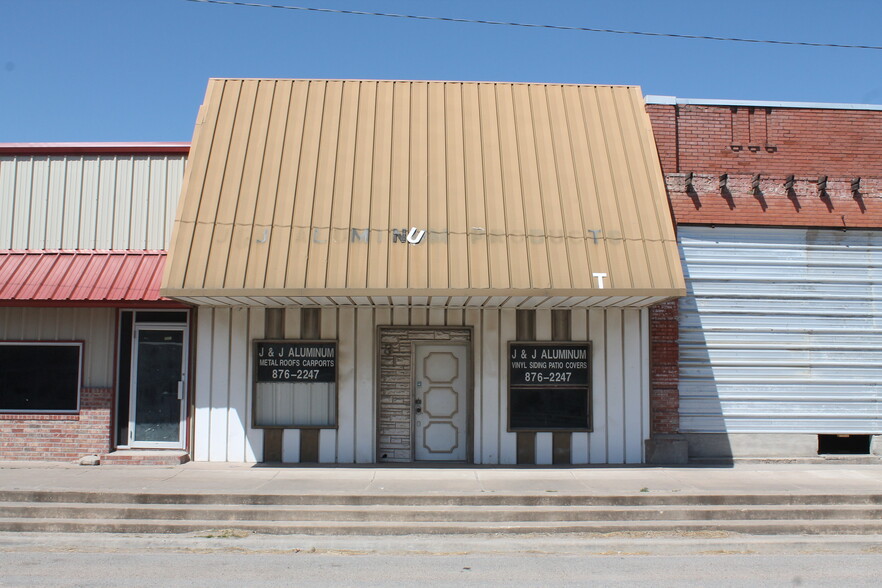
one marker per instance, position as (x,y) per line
(324,192)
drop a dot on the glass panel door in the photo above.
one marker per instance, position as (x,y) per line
(159,357)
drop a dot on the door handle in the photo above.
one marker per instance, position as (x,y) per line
(180,390)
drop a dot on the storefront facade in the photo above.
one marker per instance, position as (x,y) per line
(487,273)
(83,233)
(415,271)
(778,214)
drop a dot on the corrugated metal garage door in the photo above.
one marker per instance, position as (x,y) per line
(781,330)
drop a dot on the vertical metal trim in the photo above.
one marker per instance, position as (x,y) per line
(274,323)
(526,325)
(310,325)
(561,448)
(309,445)
(274,328)
(562,442)
(525,330)
(272,445)
(560,325)
(526,451)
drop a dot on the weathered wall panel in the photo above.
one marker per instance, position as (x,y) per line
(89,201)
(620,412)
(781,331)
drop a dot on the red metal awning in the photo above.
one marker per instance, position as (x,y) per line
(81,277)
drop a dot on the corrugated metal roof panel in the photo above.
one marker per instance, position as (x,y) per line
(332,188)
(80,276)
(16,273)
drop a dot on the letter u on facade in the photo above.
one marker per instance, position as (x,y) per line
(415,237)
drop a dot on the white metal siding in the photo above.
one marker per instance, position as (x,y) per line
(620,371)
(93,326)
(89,201)
(780,331)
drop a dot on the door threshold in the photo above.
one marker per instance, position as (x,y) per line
(154,457)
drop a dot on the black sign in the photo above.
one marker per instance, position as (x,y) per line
(295,361)
(549,365)
(549,409)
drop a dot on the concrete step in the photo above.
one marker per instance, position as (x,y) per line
(416,514)
(399,514)
(439,499)
(757,527)
(167,457)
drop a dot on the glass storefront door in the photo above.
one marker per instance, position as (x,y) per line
(158,389)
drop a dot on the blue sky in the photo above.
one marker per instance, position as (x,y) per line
(136,70)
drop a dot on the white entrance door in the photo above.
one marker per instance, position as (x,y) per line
(440,401)
(158,389)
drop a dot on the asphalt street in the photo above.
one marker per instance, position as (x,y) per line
(220,559)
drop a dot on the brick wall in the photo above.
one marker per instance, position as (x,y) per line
(59,437)
(770,145)
(774,204)
(782,141)
(664,128)
(664,399)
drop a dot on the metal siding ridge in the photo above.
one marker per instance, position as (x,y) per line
(120,282)
(151,291)
(64,201)
(105,268)
(336,268)
(19,281)
(35,277)
(243,219)
(361,183)
(416,261)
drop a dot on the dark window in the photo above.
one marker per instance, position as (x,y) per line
(549,409)
(161,316)
(844,444)
(40,376)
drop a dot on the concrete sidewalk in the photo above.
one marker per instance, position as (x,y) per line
(199,478)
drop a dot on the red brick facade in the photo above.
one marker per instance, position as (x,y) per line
(759,149)
(760,166)
(60,437)
(664,397)
(773,141)
(773,203)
